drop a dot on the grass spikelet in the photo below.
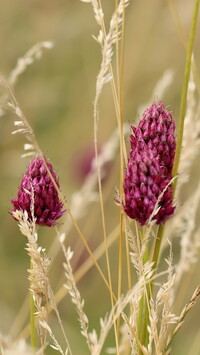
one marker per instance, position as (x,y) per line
(191,140)
(165,297)
(184,312)
(75,296)
(189,241)
(33,54)
(117,310)
(38,273)
(56,345)
(160,313)
(82,198)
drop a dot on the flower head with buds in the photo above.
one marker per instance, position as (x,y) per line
(149,170)
(37,182)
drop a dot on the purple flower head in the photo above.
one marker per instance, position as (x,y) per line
(47,206)
(149,169)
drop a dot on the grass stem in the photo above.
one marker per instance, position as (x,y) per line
(186,78)
(157,245)
(143,317)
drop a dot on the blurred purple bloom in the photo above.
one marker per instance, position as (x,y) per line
(84,163)
(47,206)
(150,166)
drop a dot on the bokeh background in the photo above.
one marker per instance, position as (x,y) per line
(56,94)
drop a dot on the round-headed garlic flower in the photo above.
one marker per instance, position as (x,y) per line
(37,182)
(149,169)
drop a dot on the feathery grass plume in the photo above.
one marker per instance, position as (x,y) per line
(10,347)
(38,274)
(88,192)
(150,166)
(47,206)
(75,294)
(130,298)
(116,311)
(138,250)
(124,343)
(191,135)
(25,128)
(179,225)
(107,41)
(94,342)
(26,213)
(134,307)
(165,297)
(56,346)
(30,151)
(181,318)
(33,54)
(190,240)
(183,225)
(160,313)
(105,75)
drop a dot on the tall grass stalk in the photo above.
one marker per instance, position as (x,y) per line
(106,42)
(183,104)
(120,85)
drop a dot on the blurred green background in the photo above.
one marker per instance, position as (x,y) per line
(56,94)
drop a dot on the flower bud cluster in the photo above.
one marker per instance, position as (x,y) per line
(47,206)
(150,164)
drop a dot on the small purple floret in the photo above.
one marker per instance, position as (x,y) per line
(150,165)
(47,206)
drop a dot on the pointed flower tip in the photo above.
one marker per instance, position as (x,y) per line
(149,169)
(47,206)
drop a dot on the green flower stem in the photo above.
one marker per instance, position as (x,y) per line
(144,335)
(140,318)
(157,246)
(183,106)
(143,316)
(186,78)
(32,318)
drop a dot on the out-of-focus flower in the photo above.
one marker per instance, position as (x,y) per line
(47,206)
(84,163)
(150,165)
